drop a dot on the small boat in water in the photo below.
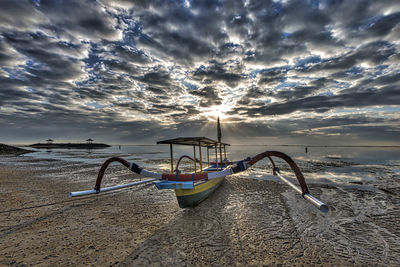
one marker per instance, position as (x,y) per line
(194,187)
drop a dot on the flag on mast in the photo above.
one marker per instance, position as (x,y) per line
(219,130)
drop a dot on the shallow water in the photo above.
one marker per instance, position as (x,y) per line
(359,155)
(329,165)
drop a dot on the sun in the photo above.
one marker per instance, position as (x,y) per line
(213,112)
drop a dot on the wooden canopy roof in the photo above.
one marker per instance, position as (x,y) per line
(193,141)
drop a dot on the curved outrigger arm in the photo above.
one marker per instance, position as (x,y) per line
(180,159)
(304,189)
(197,160)
(202,176)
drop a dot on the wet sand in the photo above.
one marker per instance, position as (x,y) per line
(245,222)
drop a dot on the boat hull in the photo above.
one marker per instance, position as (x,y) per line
(192,197)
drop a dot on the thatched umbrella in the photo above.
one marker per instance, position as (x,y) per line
(49,141)
(89,141)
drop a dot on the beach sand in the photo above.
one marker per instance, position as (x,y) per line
(245,222)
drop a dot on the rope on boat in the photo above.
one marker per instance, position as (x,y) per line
(236,168)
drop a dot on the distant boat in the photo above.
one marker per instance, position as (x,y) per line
(193,188)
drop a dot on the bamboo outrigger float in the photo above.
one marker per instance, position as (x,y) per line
(193,188)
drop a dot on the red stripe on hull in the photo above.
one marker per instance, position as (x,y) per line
(184,177)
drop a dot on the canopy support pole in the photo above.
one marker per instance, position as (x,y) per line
(208,157)
(225,152)
(216,156)
(172,158)
(201,158)
(220,153)
(194,156)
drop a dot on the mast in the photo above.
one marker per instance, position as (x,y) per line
(219,131)
(219,139)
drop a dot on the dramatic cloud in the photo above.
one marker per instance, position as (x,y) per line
(281,71)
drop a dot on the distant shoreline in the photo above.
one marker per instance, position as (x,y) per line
(12,150)
(294,145)
(70,145)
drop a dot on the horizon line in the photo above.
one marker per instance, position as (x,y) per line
(288,145)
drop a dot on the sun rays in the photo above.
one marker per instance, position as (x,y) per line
(213,112)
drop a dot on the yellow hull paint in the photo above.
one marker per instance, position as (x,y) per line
(198,189)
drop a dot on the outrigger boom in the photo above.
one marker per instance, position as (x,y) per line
(185,185)
(320,205)
(105,189)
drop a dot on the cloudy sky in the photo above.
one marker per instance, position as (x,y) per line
(277,72)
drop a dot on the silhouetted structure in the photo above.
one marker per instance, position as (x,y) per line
(70,145)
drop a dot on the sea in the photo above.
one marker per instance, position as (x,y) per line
(319,164)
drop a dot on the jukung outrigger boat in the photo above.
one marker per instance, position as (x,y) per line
(193,188)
